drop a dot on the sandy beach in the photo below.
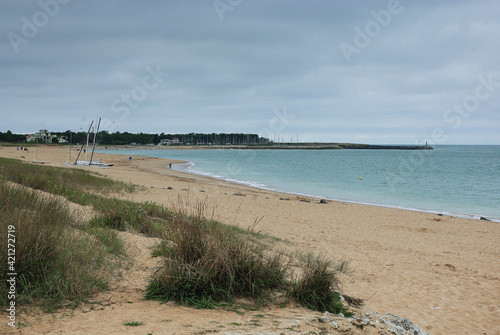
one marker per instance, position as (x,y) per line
(441,272)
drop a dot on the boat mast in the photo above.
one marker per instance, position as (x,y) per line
(88,134)
(84,144)
(93,144)
(70,137)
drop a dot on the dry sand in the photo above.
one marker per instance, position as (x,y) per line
(441,272)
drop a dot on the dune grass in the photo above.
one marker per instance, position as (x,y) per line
(55,262)
(318,287)
(60,259)
(146,218)
(62,181)
(86,188)
(208,264)
(205,264)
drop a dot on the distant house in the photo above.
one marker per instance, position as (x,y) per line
(167,141)
(41,136)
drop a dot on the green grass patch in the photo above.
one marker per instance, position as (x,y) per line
(108,237)
(55,262)
(123,215)
(17,144)
(58,180)
(133,323)
(87,188)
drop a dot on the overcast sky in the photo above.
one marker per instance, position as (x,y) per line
(374,72)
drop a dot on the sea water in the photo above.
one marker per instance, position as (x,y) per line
(456,180)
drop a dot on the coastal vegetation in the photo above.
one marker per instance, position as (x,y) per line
(133,323)
(125,138)
(55,261)
(10,137)
(63,259)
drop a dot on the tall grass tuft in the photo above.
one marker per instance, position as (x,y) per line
(318,286)
(54,261)
(205,264)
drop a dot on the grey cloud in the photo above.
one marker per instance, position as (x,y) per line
(228,75)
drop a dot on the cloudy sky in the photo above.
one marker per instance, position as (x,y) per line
(368,71)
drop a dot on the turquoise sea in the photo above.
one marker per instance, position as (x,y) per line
(454,179)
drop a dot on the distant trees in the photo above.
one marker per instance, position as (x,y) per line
(118,138)
(125,138)
(10,137)
(216,139)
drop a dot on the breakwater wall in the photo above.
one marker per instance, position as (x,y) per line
(319,146)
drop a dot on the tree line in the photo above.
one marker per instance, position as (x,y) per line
(126,138)
(12,138)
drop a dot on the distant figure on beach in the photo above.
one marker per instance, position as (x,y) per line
(130,158)
(170,165)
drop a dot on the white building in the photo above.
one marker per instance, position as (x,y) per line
(41,136)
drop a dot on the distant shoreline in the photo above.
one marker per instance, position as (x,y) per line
(284,146)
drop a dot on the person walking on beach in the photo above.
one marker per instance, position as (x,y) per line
(170,165)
